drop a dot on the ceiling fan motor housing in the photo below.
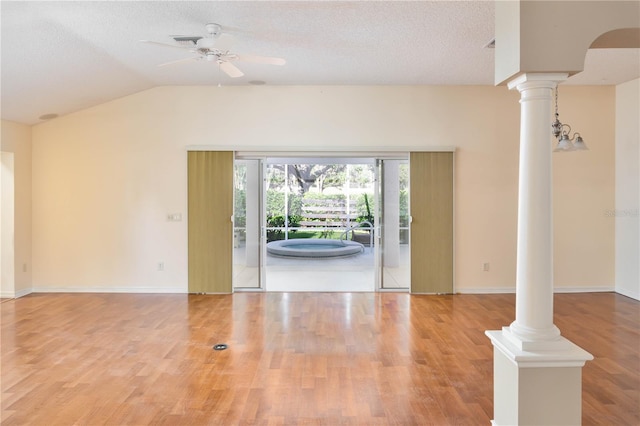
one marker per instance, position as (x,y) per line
(213,29)
(205,43)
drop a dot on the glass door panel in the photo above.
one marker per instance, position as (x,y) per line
(395,247)
(246,224)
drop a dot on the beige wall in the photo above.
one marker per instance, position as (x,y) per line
(105,178)
(627,204)
(16,139)
(584,189)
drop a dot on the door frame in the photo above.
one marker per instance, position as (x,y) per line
(346,152)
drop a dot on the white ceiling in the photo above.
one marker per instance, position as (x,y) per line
(59,57)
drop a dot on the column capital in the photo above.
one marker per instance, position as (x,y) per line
(537,80)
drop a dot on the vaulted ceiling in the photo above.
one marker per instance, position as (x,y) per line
(59,57)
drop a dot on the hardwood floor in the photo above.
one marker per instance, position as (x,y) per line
(293,358)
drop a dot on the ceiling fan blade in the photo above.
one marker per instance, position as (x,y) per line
(261,59)
(165,45)
(230,69)
(193,58)
(184,40)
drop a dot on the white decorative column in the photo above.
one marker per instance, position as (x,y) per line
(537,372)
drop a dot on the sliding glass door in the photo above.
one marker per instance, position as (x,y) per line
(397,210)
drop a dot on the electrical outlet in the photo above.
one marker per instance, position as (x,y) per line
(485,266)
(160,266)
(174,217)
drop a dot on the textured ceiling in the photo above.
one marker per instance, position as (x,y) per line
(59,57)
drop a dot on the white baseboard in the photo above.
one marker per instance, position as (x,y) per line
(15,294)
(508,290)
(632,294)
(163,290)
(23,292)
(184,290)
(485,290)
(604,289)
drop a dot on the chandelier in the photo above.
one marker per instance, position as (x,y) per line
(562,132)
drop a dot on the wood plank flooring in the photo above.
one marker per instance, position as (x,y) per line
(293,358)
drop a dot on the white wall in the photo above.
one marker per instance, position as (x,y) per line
(7,254)
(526,29)
(627,205)
(105,178)
(16,139)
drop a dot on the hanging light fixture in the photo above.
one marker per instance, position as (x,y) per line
(563,133)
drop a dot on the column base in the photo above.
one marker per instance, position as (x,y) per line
(541,386)
(535,341)
(527,338)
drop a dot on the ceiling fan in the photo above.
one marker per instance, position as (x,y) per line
(214,47)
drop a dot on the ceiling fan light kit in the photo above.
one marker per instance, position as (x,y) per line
(206,43)
(214,47)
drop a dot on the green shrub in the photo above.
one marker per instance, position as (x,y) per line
(275,203)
